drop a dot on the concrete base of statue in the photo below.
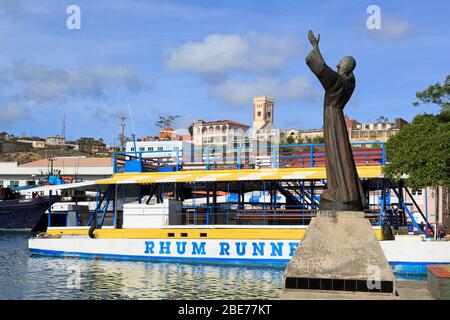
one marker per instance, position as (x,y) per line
(338,258)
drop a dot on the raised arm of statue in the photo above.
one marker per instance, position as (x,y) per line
(316,63)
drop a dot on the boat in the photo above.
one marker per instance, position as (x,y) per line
(213,216)
(19,213)
(24,214)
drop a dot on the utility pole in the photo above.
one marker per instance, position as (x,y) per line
(63,131)
(122,133)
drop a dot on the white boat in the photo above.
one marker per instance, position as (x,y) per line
(208,226)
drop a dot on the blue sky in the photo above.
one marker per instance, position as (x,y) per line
(206,59)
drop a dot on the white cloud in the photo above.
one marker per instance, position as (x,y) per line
(11,112)
(222,53)
(43,84)
(259,58)
(241,93)
(392,29)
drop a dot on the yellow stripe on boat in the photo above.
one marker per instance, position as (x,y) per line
(195,233)
(232,175)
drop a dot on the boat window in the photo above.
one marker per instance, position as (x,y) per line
(171,234)
(184,234)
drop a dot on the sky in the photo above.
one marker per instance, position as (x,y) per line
(206,60)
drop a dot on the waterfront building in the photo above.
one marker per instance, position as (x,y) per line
(69,168)
(166,151)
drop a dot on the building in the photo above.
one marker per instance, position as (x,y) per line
(85,144)
(263,135)
(166,151)
(219,140)
(301,136)
(357,132)
(172,135)
(148,138)
(99,150)
(4,135)
(36,144)
(55,141)
(377,131)
(263,108)
(167,134)
(69,168)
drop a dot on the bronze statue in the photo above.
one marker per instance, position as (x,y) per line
(344,191)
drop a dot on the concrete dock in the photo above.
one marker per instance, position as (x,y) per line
(406,290)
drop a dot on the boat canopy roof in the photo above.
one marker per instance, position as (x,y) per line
(77,185)
(232,175)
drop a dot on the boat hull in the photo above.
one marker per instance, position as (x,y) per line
(23,215)
(405,257)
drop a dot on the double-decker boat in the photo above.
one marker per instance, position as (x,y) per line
(238,215)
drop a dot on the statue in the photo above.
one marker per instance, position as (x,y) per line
(344,191)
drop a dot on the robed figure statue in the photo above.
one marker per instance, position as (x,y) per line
(344,191)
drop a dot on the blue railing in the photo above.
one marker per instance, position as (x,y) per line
(280,156)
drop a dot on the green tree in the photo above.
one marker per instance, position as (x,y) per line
(382,119)
(317,139)
(421,150)
(191,127)
(165,122)
(290,140)
(436,94)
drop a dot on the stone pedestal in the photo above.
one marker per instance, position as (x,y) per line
(339,257)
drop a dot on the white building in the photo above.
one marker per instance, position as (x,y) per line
(163,149)
(72,169)
(55,141)
(219,140)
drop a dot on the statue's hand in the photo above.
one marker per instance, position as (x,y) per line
(313,40)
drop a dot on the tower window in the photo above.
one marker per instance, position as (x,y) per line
(258,113)
(268,114)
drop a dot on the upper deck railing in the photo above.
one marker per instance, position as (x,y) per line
(279,156)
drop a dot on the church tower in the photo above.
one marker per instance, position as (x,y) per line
(262,113)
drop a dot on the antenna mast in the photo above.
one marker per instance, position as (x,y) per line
(122,132)
(63,131)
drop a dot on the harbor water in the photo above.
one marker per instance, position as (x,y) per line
(32,277)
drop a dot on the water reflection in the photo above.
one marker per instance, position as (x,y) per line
(33,277)
(101,279)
